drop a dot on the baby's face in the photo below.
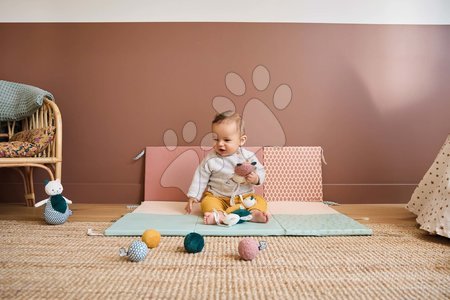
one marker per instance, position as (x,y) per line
(227,138)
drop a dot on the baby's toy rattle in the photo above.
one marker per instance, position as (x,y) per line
(136,252)
(243,169)
(56,211)
(249,248)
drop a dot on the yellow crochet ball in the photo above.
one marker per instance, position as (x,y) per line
(151,237)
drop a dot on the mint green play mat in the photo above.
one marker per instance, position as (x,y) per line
(293,174)
(287,218)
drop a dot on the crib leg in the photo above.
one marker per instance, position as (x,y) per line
(29,186)
(58,167)
(27,177)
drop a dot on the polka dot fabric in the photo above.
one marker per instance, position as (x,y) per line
(431,199)
(293,173)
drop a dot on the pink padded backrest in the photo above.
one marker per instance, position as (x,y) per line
(168,173)
(293,173)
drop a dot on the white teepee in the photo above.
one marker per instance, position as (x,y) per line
(431,199)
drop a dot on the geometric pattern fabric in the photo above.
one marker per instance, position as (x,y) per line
(293,173)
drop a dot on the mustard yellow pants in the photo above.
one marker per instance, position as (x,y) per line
(210,202)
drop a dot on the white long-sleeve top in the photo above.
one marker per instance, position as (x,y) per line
(215,172)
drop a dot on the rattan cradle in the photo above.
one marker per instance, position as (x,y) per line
(50,159)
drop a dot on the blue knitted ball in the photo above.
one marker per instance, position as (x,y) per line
(194,242)
(138,251)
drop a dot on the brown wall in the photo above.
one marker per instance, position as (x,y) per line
(375,97)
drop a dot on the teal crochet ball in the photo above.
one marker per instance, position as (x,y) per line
(194,242)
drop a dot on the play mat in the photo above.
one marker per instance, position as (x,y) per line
(293,189)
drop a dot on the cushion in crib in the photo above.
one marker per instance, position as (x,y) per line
(41,137)
(27,143)
(17,149)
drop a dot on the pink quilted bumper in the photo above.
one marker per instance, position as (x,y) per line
(292,173)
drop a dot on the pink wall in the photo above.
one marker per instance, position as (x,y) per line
(375,97)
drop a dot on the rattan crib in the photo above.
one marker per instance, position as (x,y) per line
(50,159)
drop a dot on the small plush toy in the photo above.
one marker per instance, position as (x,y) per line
(151,238)
(249,248)
(194,242)
(236,214)
(246,203)
(249,201)
(136,252)
(56,210)
(243,169)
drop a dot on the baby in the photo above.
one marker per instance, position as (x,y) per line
(213,185)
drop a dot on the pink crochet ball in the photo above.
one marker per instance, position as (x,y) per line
(245,168)
(248,249)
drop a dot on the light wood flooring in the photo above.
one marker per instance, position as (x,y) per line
(363,213)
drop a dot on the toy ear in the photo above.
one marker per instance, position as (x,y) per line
(46,181)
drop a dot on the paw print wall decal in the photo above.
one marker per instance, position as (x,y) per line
(262,126)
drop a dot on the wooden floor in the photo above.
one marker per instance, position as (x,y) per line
(363,213)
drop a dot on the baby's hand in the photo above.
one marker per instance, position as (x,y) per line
(189,205)
(252,178)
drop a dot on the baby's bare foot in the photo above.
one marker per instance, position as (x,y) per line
(259,216)
(208,218)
